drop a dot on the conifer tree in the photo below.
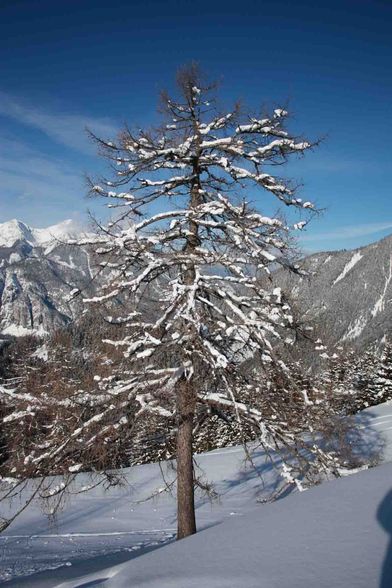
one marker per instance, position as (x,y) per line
(380,385)
(186,260)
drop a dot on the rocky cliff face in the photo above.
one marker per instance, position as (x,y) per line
(38,272)
(348,294)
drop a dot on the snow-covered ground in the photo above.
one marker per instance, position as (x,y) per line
(334,535)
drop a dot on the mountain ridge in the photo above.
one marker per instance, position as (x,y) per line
(346,296)
(15,230)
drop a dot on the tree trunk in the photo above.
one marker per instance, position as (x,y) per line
(186,520)
(186,398)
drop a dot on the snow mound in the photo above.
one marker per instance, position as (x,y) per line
(337,534)
(334,535)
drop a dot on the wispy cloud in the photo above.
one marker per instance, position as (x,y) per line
(37,188)
(64,128)
(349,232)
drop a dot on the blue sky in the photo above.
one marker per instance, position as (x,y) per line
(69,64)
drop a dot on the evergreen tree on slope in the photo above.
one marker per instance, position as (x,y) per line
(187,256)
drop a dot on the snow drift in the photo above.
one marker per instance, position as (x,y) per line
(337,534)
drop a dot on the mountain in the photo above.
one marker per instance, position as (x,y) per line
(347,295)
(13,231)
(38,271)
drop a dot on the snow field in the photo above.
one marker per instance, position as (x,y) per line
(313,531)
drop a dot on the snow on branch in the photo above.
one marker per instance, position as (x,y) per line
(185,276)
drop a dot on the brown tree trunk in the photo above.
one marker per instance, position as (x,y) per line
(186,520)
(186,398)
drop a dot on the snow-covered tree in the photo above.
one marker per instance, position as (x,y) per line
(381,386)
(358,381)
(186,260)
(373,377)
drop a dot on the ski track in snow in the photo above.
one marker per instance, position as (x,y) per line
(103,534)
(53,551)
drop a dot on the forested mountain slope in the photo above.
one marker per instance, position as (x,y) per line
(347,295)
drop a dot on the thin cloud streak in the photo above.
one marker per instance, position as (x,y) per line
(34,186)
(349,232)
(22,162)
(66,129)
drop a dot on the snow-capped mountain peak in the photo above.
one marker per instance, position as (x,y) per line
(15,230)
(38,271)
